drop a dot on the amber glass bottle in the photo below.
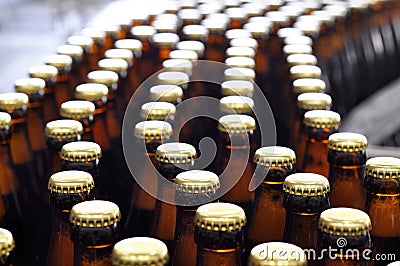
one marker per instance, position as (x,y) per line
(277,253)
(274,164)
(166,93)
(237,88)
(76,53)
(97,36)
(306,196)
(178,65)
(94,231)
(164,43)
(7,246)
(216,43)
(158,111)
(219,234)
(174,78)
(66,188)
(382,184)
(239,73)
(347,157)
(151,134)
(87,44)
(172,158)
(236,105)
(345,232)
(140,251)
(193,188)
(319,125)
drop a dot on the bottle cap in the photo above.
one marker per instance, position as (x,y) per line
(304,40)
(244,42)
(113,64)
(304,71)
(236,124)
(321,119)
(237,34)
(30,85)
(184,54)
(173,78)
(240,61)
(214,25)
(306,185)
(258,30)
(291,49)
(13,100)
(236,104)
(165,39)
(133,45)
(195,46)
(189,15)
(5,120)
(105,77)
(275,156)
(239,73)
(91,91)
(277,253)
(304,85)
(236,13)
(178,65)
(80,151)
(7,243)
(44,72)
(314,101)
(124,54)
(73,51)
(70,182)
(95,214)
(237,88)
(347,142)
(301,59)
(63,129)
(84,42)
(143,33)
(383,167)
(153,129)
(278,18)
(60,61)
(195,32)
(96,34)
(197,182)
(167,93)
(157,110)
(77,109)
(176,152)
(240,52)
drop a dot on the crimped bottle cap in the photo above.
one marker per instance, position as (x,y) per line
(30,85)
(195,32)
(195,46)
(236,13)
(306,184)
(236,104)
(304,85)
(184,54)
(240,61)
(7,243)
(301,59)
(70,182)
(220,217)
(73,51)
(309,27)
(304,71)
(197,182)
(261,20)
(239,73)
(344,222)
(63,129)
(214,25)
(153,129)
(304,40)
(165,39)
(240,51)
(157,110)
(289,32)
(165,26)
(236,124)
(113,64)
(140,251)
(293,11)
(166,93)
(258,30)
(176,152)
(237,34)
(383,167)
(179,65)
(13,100)
(80,151)
(189,15)
(91,91)
(84,42)
(95,34)
(105,77)
(5,120)
(173,78)
(274,156)
(291,49)
(77,109)
(347,142)
(277,254)
(44,72)
(143,32)
(133,45)
(244,42)
(95,213)
(321,119)
(60,61)
(237,88)
(124,54)
(314,101)
(278,18)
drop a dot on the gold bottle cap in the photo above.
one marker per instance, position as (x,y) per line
(113,64)
(95,34)
(396,263)
(254,9)
(301,59)
(80,151)
(219,17)
(30,85)
(258,30)
(240,51)
(189,15)
(277,254)
(304,40)
(239,73)
(278,18)
(195,46)
(70,182)
(173,78)
(165,26)
(236,124)
(261,20)
(84,42)
(236,104)
(165,39)
(143,32)
(59,61)
(63,129)
(314,101)
(383,167)
(284,33)
(197,182)
(157,110)
(240,61)
(153,130)
(236,13)
(95,214)
(338,11)
(7,243)
(110,29)
(73,51)
(292,11)
(91,91)
(231,3)
(179,65)
(321,119)
(304,85)
(176,152)
(344,222)
(184,54)
(237,88)
(275,156)
(220,217)
(244,42)
(166,93)
(347,142)
(124,54)
(5,120)
(77,109)
(105,77)
(195,32)
(44,72)
(13,100)
(304,71)
(324,17)
(237,34)
(308,27)
(140,251)
(209,8)
(306,185)
(132,45)
(214,25)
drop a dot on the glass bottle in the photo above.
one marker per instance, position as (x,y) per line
(97,36)
(7,246)
(273,253)
(140,251)
(76,53)
(347,157)
(193,188)
(239,73)
(164,43)
(237,88)
(383,187)
(162,111)
(94,231)
(66,189)
(345,233)
(219,234)
(178,65)
(216,43)
(319,125)
(87,44)
(166,93)
(274,164)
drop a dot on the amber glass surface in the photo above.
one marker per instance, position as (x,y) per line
(50,110)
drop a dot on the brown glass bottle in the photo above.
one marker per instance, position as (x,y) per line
(306,196)
(76,53)
(162,111)
(383,187)
(149,135)
(219,234)
(345,234)
(66,189)
(164,43)
(94,231)
(277,253)
(97,36)
(193,188)
(172,158)
(87,44)
(216,43)
(347,157)
(319,125)
(239,73)
(178,65)
(237,88)
(140,251)
(7,246)
(274,164)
